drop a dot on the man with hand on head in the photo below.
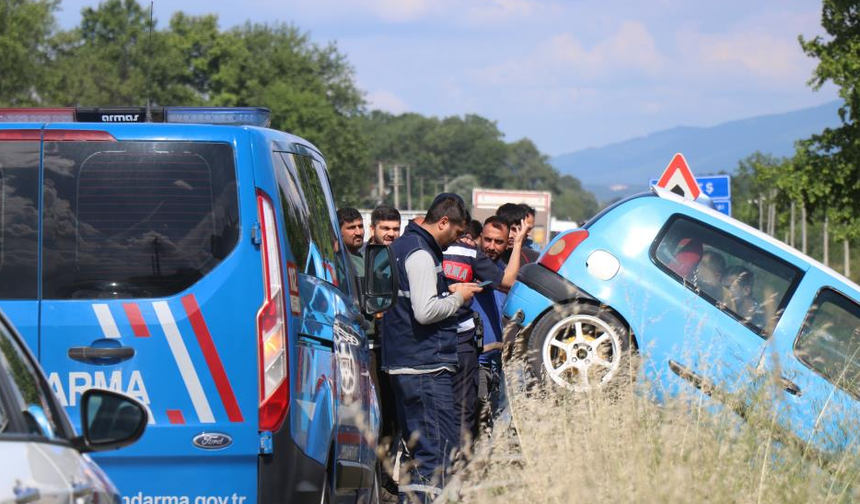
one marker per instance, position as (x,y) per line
(516,216)
(465,262)
(419,350)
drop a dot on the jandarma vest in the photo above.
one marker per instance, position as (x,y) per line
(408,344)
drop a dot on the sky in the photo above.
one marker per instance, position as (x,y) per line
(567,74)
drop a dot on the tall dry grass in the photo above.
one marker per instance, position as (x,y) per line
(624,447)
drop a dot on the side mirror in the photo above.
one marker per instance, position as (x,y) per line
(109,420)
(379,291)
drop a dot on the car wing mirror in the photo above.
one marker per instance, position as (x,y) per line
(109,420)
(379,292)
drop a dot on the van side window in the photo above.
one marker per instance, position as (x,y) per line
(325,242)
(745,282)
(135,219)
(294,208)
(19,220)
(829,341)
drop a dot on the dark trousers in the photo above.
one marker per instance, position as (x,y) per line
(466,392)
(425,414)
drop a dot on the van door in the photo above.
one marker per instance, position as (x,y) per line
(150,289)
(19,231)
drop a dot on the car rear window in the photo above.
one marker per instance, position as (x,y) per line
(135,219)
(740,279)
(829,341)
(19,220)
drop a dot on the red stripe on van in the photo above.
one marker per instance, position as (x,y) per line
(204,338)
(174,416)
(138,325)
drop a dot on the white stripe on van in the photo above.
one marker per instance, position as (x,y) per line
(183,360)
(109,328)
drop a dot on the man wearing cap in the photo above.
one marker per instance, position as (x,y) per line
(419,351)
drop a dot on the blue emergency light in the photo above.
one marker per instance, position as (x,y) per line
(239,116)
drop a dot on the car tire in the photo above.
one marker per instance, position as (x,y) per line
(580,347)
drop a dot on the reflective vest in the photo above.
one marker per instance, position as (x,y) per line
(408,344)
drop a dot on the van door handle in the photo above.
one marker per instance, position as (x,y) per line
(789,386)
(93,355)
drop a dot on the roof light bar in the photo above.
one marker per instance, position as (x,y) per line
(238,116)
(251,116)
(37,115)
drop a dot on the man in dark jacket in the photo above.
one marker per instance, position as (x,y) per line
(419,350)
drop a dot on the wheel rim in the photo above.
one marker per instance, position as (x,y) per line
(581,352)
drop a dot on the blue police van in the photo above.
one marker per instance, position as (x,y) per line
(191,258)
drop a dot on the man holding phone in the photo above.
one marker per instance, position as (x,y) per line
(463,262)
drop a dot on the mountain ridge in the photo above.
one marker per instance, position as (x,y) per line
(708,149)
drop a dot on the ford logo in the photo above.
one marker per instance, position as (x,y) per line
(212,440)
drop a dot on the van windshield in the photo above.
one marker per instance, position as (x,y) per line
(135,219)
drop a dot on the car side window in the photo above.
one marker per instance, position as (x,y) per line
(829,341)
(29,393)
(747,283)
(325,260)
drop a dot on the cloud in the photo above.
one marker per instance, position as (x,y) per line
(387,101)
(755,54)
(564,61)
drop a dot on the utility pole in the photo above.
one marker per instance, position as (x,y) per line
(420,191)
(847,258)
(761,212)
(396,184)
(803,227)
(791,228)
(380,184)
(408,187)
(826,240)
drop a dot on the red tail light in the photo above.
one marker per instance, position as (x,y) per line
(78,136)
(272,325)
(28,135)
(555,256)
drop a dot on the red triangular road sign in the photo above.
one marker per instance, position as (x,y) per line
(679,179)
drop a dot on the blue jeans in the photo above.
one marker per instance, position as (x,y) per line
(425,413)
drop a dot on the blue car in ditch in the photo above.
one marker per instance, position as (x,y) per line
(700,296)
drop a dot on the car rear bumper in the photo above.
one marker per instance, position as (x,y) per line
(536,290)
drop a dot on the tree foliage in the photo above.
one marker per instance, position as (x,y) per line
(470,151)
(825,173)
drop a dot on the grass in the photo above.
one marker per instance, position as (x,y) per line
(624,447)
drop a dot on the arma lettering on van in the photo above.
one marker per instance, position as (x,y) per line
(78,382)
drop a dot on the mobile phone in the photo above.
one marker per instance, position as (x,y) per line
(485,283)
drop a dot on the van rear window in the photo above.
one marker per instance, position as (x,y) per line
(19,220)
(135,219)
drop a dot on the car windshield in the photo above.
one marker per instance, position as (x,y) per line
(740,279)
(830,340)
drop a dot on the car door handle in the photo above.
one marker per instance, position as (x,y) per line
(25,495)
(789,386)
(93,355)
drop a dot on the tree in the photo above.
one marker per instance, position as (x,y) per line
(25,26)
(826,171)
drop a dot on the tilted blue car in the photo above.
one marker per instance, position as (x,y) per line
(698,295)
(196,265)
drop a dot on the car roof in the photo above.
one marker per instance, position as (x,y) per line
(730,222)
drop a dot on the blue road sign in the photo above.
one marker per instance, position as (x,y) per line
(715,186)
(723,206)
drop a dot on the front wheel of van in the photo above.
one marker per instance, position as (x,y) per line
(580,347)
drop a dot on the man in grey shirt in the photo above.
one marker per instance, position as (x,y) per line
(419,350)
